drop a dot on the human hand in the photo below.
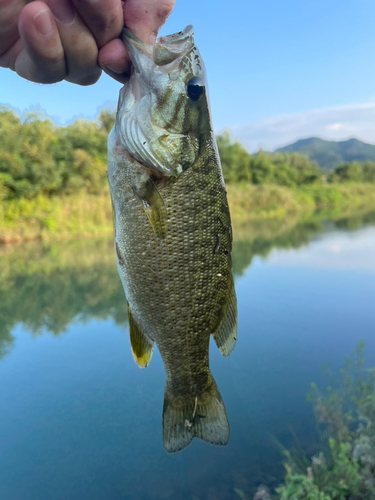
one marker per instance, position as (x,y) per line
(53,40)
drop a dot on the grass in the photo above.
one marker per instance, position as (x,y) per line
(275,202)
(55,218)
(82,215)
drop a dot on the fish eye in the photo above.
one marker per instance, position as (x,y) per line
(195,88)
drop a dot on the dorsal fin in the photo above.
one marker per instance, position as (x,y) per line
(141,343)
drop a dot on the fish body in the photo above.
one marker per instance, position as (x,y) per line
(172,231)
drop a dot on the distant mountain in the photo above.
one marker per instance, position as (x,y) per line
(329,154)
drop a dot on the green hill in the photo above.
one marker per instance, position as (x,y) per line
(329,154)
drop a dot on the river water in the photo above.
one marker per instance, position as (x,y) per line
(78,418)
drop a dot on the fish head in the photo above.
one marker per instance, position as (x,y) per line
(163,112)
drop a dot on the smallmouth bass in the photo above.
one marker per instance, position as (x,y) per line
(172,231)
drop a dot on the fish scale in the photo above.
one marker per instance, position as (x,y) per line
(177,280)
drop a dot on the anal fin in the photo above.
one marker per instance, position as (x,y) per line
(140,343)
(226,334)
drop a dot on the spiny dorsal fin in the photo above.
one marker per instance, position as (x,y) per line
(226,334)
(140,343)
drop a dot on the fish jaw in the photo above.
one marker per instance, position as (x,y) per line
(167,50)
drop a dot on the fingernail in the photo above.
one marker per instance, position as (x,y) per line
(43,22)
(116,68)
(63,11)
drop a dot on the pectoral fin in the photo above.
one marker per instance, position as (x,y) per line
(154,208)
(140,343)
(226,334)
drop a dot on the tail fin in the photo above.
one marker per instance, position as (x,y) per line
(203,417)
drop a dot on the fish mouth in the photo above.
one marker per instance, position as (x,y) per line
(166,49)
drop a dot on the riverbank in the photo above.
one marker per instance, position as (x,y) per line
(85,215)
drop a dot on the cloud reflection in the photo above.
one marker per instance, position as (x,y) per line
(336,250)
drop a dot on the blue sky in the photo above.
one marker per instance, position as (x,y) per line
(278,70)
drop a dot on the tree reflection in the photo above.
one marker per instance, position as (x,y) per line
(44,287)
(260,237)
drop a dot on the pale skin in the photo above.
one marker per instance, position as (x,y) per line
(74,40)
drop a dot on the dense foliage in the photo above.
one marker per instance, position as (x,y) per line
(38,157)
(284,169)
(353,172)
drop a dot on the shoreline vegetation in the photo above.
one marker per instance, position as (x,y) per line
(343,465)
(90,215)
(53,182)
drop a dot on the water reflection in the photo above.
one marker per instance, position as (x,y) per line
(47,286)
(93,417)
(260,237)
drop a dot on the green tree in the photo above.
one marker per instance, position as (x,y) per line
(347,172)
(284,169)
(27,165)
(368,168)
(37,157)
(106,120)
(235,160)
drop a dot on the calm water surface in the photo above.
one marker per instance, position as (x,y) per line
(78,418)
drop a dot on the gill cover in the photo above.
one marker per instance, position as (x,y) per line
(155,122)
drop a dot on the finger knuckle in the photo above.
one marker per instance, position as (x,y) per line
(113,20)
(104,25)
(165,8)
(51,67)
(48,76)
(85,79)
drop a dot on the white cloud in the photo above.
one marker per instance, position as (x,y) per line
(336,124)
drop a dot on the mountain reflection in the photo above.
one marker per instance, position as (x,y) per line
(45,286)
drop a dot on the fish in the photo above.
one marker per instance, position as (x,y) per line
(172,231)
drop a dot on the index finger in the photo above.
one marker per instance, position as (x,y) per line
(144,18)
(104,18)
(9,14)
